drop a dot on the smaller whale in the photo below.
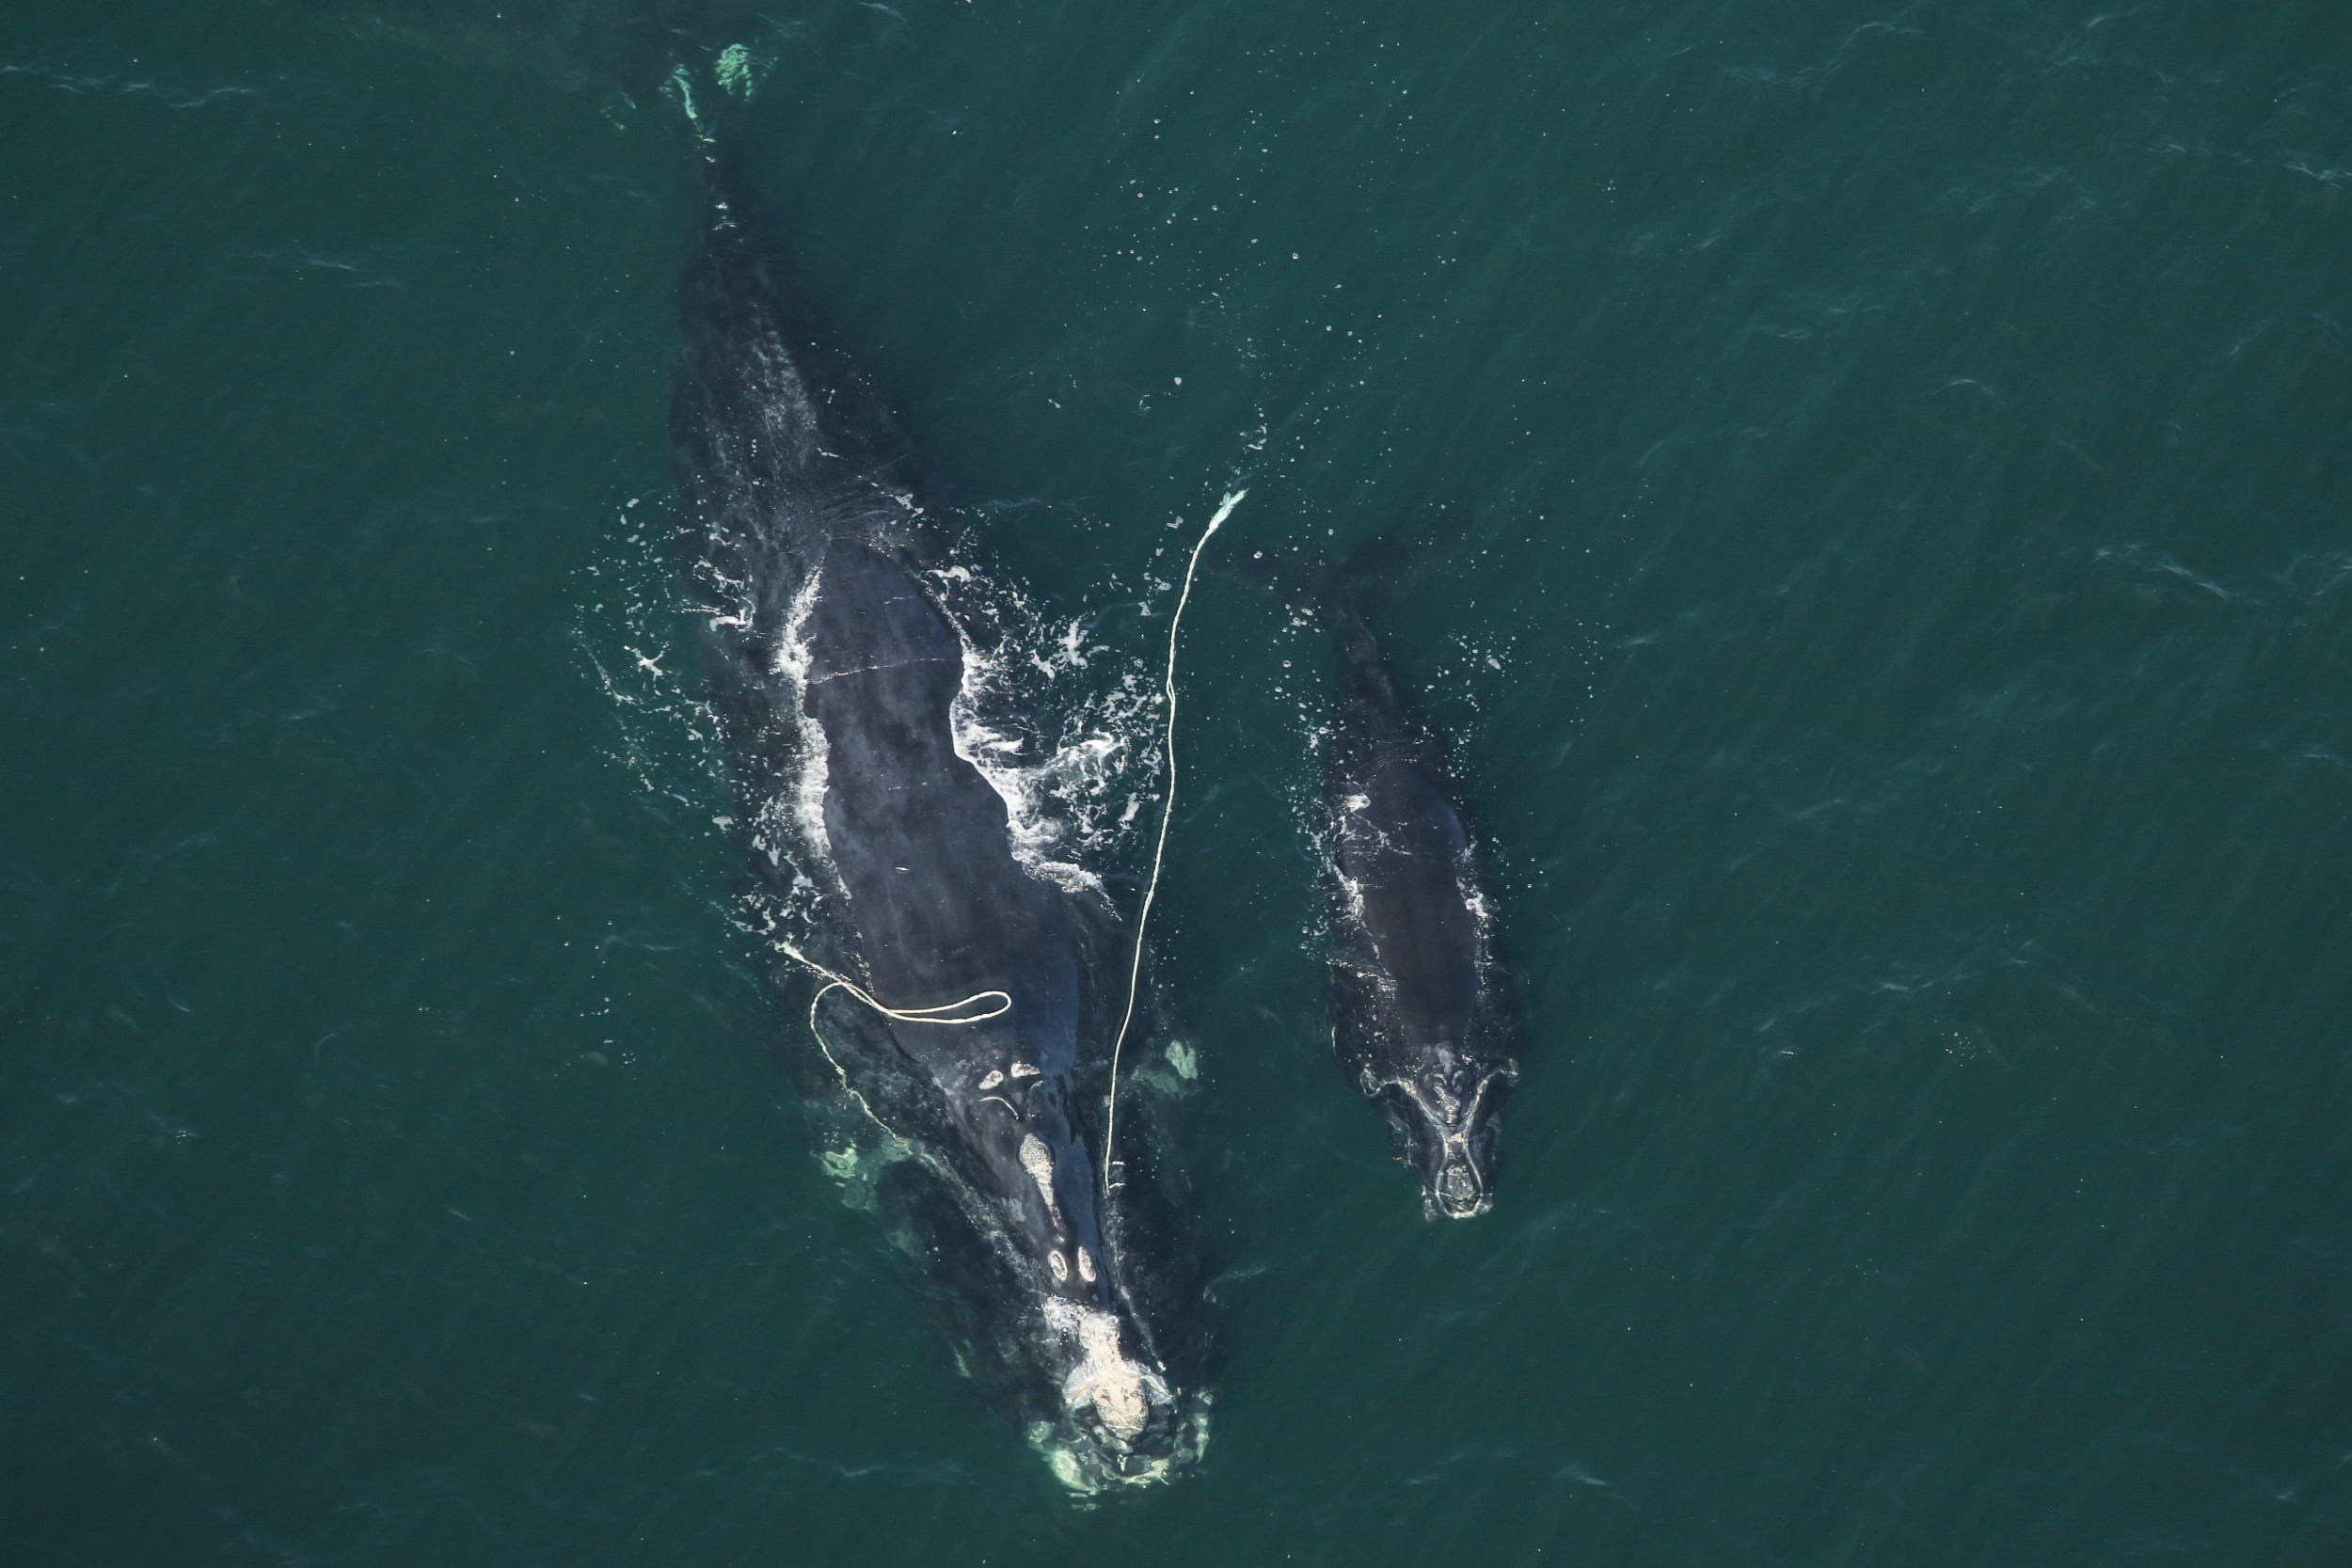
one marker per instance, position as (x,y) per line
(1422,1018)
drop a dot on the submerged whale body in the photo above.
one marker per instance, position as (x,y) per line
(963,1005)
(1422,1018)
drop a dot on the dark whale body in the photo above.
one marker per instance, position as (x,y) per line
(1422,1018)
(886,857)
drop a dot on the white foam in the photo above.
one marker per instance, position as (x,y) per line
(806,801)
(1074,803)
(1351,892)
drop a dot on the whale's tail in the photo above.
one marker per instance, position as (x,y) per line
(772,409)
(1348,591)
(1373,572)
(709,87)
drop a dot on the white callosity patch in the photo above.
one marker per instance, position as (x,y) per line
(1185,1060)
(1121,1392)
(1039,1161)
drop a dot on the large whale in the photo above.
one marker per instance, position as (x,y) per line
(1423,1019)
(964,1003)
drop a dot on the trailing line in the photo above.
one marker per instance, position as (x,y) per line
(1159,849)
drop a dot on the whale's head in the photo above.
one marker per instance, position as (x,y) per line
(1443,1117)
(1123,1422)
(1106,1410)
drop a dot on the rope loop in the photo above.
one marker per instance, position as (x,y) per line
(948,1013)
(956,1013)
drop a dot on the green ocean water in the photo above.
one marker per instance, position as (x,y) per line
(1885,516)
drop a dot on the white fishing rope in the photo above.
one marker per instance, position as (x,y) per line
(680,86)
(1159,849)
(946,1012)
(953,1013)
